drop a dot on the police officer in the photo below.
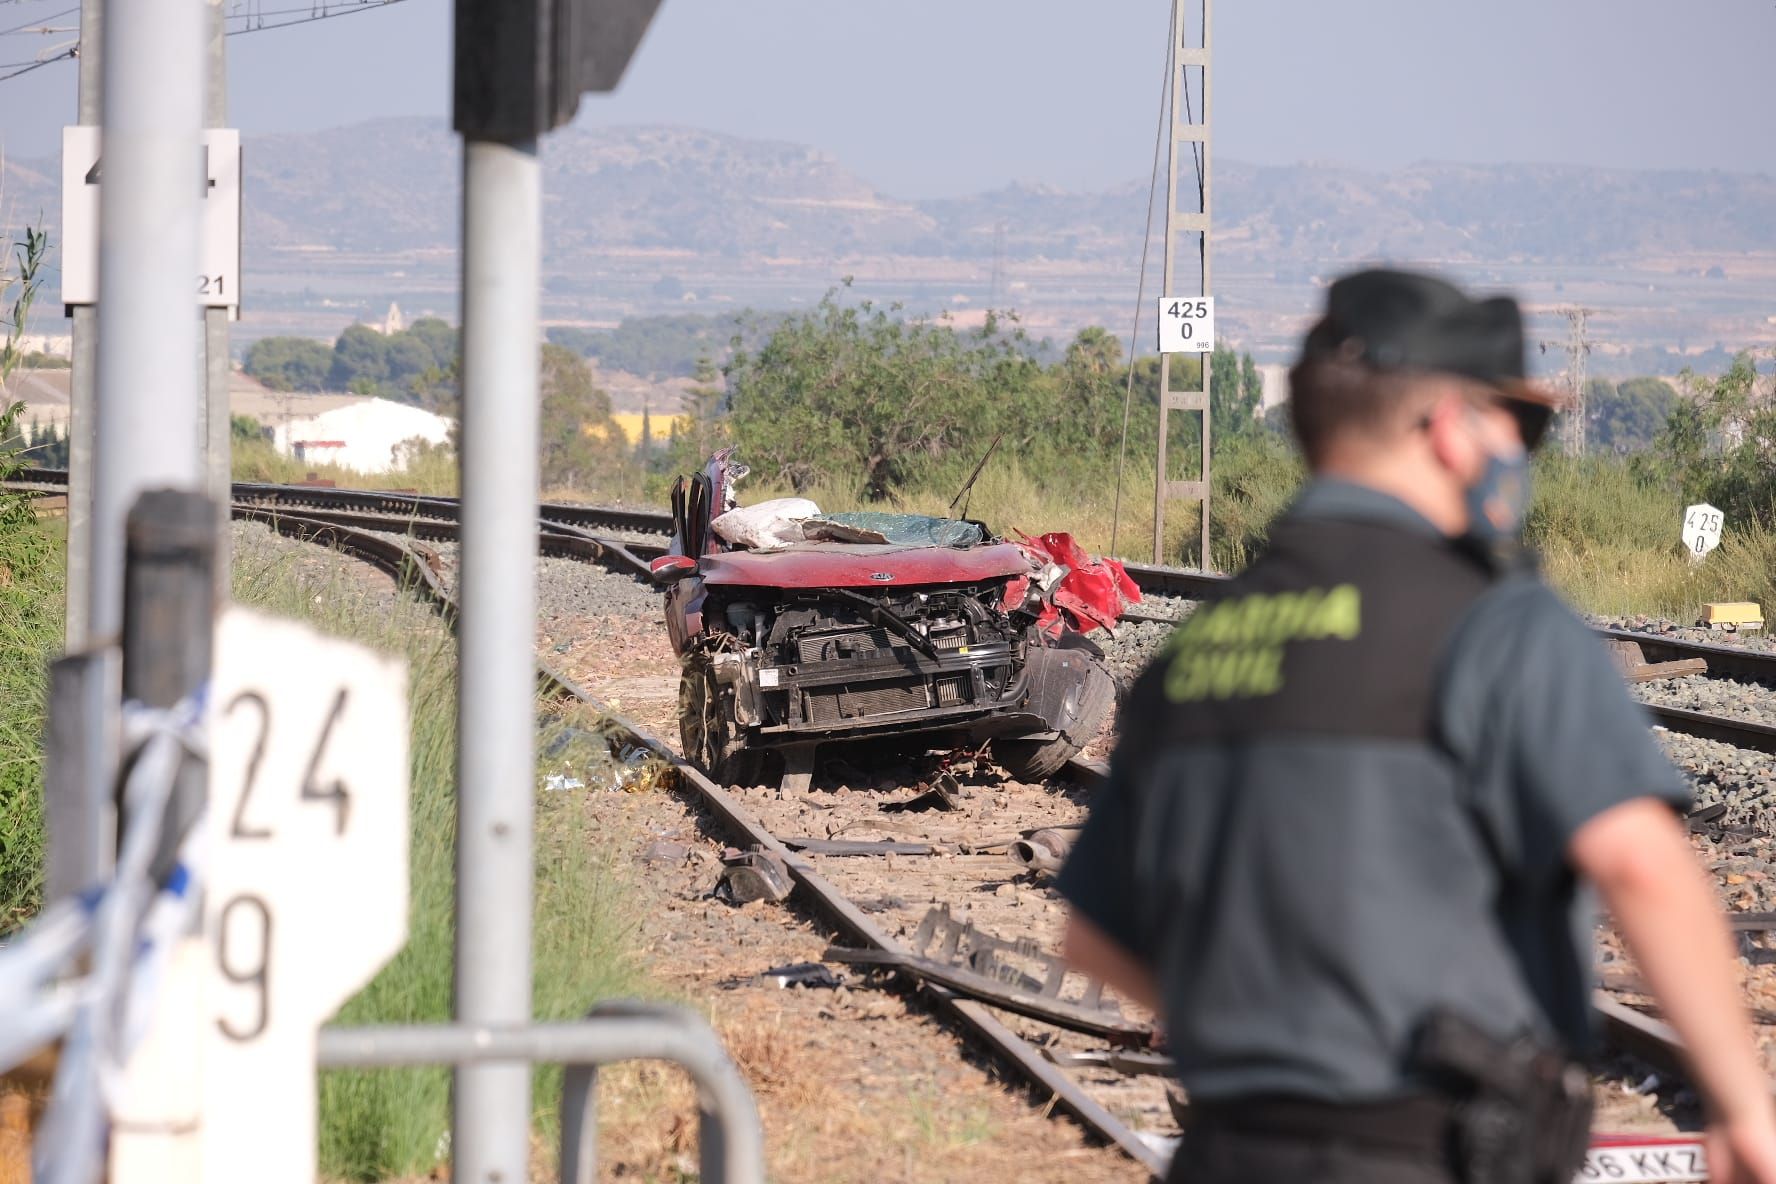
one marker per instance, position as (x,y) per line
(1356,795)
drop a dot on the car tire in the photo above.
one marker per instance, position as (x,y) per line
(1084,704)
(706,729)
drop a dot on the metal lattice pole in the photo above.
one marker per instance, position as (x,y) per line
(1189,131)
(1578,349)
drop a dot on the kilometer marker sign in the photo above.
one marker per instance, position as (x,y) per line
(1186,324)
(306,893)
(1701,529)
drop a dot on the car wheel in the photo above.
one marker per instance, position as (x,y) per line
(706,729)
(1074,693)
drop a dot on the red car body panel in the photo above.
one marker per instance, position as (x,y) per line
(855,565)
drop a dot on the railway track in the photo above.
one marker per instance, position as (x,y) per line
(978,1023)
(390,530)
(582,531)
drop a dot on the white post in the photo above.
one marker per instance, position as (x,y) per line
(496,700)
(148,264)
(147,403)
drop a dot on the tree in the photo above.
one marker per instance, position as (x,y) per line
(704,408)
(1627,418)
(407,357)
(438,336)
(582,446)
(360,359)
(847,391)
(289,363)
(1234,392)
(1719,444)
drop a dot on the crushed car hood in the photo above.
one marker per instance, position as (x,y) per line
(853,565)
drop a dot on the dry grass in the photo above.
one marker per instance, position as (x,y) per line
(1609,542)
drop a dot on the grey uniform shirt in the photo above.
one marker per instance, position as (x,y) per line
(1305,899)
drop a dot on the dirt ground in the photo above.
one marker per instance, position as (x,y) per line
(853,1083)
(859,1082)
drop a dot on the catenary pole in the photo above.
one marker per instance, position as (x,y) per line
(496,724)
(83,373)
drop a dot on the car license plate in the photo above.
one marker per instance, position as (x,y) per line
(1644,1163)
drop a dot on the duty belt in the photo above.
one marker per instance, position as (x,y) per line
(1416,1125)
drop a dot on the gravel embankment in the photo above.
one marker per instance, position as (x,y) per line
(1755,640)
(1714,696)
(1742,778)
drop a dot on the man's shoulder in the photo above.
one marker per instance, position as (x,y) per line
(1519,615)
(1519,637)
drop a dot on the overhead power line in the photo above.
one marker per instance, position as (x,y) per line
(256,22)
(35,24)
(255,19)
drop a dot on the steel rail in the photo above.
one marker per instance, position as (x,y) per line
(1623,1027)
(977,1021)
(568,530)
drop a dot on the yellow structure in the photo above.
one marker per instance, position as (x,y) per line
(1733,615)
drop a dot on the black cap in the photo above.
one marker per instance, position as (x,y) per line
(1402,320)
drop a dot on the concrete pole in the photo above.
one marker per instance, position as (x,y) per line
(82,409)
(496,701)
(218,442)
(148,263)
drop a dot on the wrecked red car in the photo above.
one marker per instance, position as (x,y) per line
(799,628)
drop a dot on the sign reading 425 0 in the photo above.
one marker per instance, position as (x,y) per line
(1186,324)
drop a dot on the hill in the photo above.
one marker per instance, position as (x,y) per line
(649,218)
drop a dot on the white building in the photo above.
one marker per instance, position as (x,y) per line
(368,435)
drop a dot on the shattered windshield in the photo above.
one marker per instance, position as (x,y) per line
(904,530)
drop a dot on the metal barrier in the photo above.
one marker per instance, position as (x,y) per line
(731,1142)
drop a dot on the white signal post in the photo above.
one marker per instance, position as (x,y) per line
(1186,324)
(306,895)
(1701,530)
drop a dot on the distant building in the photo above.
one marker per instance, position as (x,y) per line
(351,430)
(367,435)
(394,322)
(44,394)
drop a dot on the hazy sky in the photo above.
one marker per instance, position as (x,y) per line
(935,97)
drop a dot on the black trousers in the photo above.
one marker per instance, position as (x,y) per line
(1215,1155)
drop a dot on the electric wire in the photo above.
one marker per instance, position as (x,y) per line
(1196,151)
(65,55)
(30,25)
(313,16)
(1128,393)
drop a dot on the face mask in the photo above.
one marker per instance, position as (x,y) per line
(1499,500)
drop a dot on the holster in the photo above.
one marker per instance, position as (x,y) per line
(1522,1110)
